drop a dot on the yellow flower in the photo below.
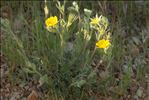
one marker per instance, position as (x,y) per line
(103,43)
(51,21)
(95,21)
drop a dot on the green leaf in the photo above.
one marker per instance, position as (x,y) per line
(43,79)
(27,70)
(79,83)
(136,40)
(87,12)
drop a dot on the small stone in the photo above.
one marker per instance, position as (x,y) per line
(139,92)
(33,96)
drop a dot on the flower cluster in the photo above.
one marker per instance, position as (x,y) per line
(101,43)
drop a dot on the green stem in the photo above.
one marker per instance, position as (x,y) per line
(81,98)
(93,52)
